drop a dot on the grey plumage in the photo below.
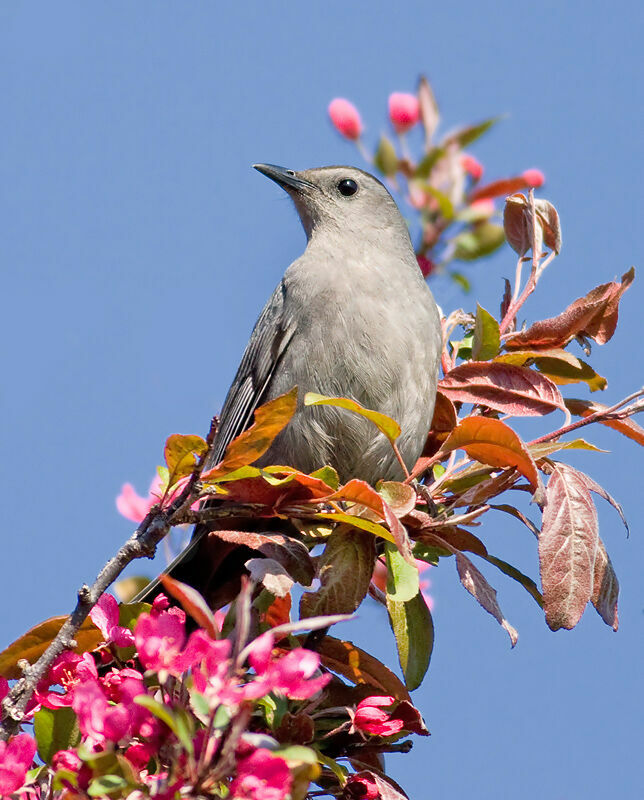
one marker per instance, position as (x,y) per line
(352,317)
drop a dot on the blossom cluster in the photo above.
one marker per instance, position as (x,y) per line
(455,211)
(159,711)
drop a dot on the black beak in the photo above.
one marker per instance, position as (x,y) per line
(286,178)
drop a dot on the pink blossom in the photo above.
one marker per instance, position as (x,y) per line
(404,111)
(68,671)
(16,756)
(472,166)
(346,118)
(361,786)
(159,604)
(159,640)
(113,682)
(417,197)
(97,719)
(69,761)
(4,688)
(370,718)
(290,675)
(533,177)
(105,615)
(261,776)
(135,507)
(139,754)
(484,207)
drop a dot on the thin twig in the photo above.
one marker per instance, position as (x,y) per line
(141,544)
(597,416)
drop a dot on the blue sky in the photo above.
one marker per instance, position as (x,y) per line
(138,247)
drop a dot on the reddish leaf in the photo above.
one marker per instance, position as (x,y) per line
(605,587)
(344,569)
(279,612)
(400,497)
(360,667)
(460,539)
(512,572)
(192,602)
(385,786)
(273,487)
(357,491)
(429,114)
(271,574)
(492,442)
(500,188)
(487,489)
(443,422)
(594,316)
(290,553)
(518,391)
(567,548)
(270,419)
(593,486)
(476,584)
(627,427)
(32,645)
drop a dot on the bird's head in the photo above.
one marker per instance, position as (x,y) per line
(345,199)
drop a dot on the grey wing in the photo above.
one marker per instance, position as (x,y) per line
(270,337)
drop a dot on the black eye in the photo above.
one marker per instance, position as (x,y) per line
(347,187)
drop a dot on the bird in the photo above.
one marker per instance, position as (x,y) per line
(351,317)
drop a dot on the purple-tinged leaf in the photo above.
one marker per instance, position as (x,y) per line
(605,588)
(567,548)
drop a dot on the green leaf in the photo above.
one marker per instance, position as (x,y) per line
(386,159)
(106,785)
(413,628)
(297,753)
(344,570)
(328,475)
(445,205)
(466,136)
(487,339)
(175,719)
(181,455)
(562,373)
(430,554)
(460,280)
(357,522)
(402,577)
(481,240)
(385,424)
(512,572)
(425,167)
(463,347)
(55,730)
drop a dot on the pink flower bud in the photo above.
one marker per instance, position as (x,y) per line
(472,166)
(426,265)
(533,177)
(404,111)
(346,118)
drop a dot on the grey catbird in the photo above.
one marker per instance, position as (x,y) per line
(352,317)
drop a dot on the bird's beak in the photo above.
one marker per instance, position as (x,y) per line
(286,178)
